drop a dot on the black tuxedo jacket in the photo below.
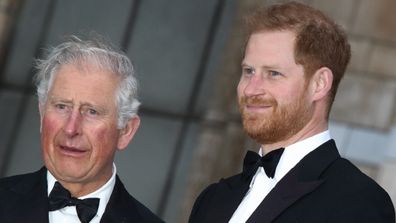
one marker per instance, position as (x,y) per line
(322,187)
(24,199)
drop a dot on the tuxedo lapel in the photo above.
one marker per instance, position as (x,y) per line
(281,197)
(301,180)
(32,199)
(120,207)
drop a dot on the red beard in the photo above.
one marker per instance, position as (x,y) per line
(282,122)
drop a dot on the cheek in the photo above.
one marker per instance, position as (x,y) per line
(240,88)
(101,135)
(288,93)
(49,127)
(49,130)
(105,139)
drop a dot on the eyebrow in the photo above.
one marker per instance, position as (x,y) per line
(69,101)
(267,67)
(245,64)
(56,99)
(271,67)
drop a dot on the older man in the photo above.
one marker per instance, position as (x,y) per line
(88,106)
(294,60)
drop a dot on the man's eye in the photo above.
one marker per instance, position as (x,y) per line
(274,73)
(60,106)
(248,70)
(92,112)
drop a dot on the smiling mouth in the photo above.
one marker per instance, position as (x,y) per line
(257,107)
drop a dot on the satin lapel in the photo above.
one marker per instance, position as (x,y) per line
(33,199)
(120,208)
(301,180)
(281,197)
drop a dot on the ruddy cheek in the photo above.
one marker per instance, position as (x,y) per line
(105,140)
(48,133)
(102,136)
(49,126)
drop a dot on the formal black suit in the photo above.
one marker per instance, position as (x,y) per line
(23,199)
(322,187)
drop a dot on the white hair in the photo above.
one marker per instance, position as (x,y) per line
(94,51)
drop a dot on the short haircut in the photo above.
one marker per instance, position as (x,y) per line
(99,53)
(320,42)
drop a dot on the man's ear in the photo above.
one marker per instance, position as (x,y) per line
(322,80)
(126,134)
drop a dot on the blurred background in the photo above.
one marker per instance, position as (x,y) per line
(187,55)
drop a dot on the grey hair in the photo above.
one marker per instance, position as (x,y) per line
(97,52)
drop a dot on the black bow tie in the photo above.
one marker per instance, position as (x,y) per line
(269,162)
(60,198)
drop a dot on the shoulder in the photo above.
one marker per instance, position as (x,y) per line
(146,214)
(221,186)
(359,192)
(26,191)
(344,175)
(124,206)
(22,182)
(214,195)
(348,174)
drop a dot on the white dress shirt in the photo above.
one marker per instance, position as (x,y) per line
(69,214)
(261,184)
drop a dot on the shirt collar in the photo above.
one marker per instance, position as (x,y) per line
(296,152)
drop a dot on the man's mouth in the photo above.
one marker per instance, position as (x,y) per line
(257,107)
(72,151)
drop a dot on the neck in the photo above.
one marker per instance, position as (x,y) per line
(79,189)
(312,128)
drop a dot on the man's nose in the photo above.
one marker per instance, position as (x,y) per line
(254,86)
(73,124)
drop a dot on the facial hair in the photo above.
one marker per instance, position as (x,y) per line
(277,125)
